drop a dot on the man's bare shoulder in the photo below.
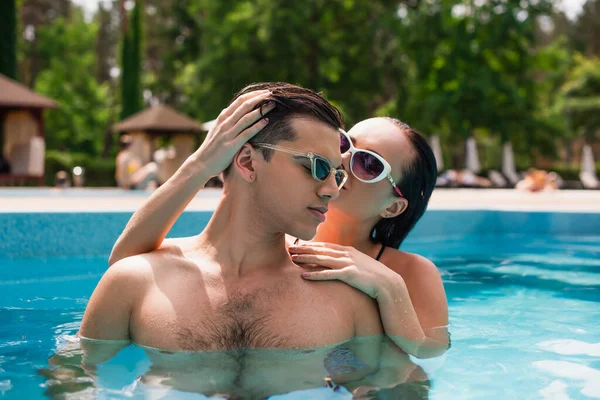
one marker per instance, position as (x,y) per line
(109,308)
(173,256)
(363,308)
(180,245)
(357,301)
(135,269)
(143,267)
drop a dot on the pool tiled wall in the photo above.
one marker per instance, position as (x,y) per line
(66,234)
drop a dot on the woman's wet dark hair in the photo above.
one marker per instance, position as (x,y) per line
(417,184)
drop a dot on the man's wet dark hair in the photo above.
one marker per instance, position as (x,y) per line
(417,184)
(290,101)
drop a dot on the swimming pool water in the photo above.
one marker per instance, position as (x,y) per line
(524,312)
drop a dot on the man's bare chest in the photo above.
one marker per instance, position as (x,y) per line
(284,316)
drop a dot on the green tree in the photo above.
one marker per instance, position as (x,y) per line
(582,97)
(346,49)
(587,29)
(474,70)
(107,40)
(8,33)
(34,14)
(131,62)
(78,124)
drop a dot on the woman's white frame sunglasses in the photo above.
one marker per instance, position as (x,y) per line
(387,169)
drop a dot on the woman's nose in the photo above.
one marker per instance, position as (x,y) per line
(346,160)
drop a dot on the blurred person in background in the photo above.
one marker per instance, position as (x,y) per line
(4,165)
(130,173)
(537,180)
(62,180)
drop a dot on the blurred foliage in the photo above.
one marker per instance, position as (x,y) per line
(98,172)
(581,93)
(497,70)
(79,123)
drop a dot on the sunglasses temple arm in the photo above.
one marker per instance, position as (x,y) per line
(283,149)
(396,188)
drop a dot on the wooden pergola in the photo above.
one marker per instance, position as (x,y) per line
(146,126)
(22,133)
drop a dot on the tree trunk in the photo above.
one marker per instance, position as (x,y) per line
(568,151)
(8,43)
(313,60)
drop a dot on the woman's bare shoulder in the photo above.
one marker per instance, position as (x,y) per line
(396,258)
(405,263)
(424,283)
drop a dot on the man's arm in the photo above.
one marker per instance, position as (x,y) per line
(148,227)
(104,330)
(108,312)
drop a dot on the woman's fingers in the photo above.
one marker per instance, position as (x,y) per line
(248,126)
(232,123)
(250,132)
(312,265)
(309,249)
(327,275)
(227,112)
(321,260)
(333,246)
(304,265)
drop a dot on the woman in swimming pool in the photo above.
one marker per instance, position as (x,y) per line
(392,175)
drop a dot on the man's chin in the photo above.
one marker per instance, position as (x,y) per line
(306,233)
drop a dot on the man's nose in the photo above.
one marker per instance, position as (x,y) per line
(329,188)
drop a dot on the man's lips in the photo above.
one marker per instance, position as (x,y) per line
(318,212)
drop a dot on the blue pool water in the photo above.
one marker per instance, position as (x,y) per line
(523,292)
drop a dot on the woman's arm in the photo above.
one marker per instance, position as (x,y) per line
(414,310)
(149,225)
(414,313)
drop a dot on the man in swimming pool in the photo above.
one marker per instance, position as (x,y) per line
(234,286)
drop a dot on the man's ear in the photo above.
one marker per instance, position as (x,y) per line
(397,207)
(243,162)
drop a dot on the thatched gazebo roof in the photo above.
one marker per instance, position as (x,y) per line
(15,95)
(158,119)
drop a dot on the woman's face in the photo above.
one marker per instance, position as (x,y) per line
(368,200)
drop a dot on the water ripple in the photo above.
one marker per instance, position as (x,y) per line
(571,347)
(589,377)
